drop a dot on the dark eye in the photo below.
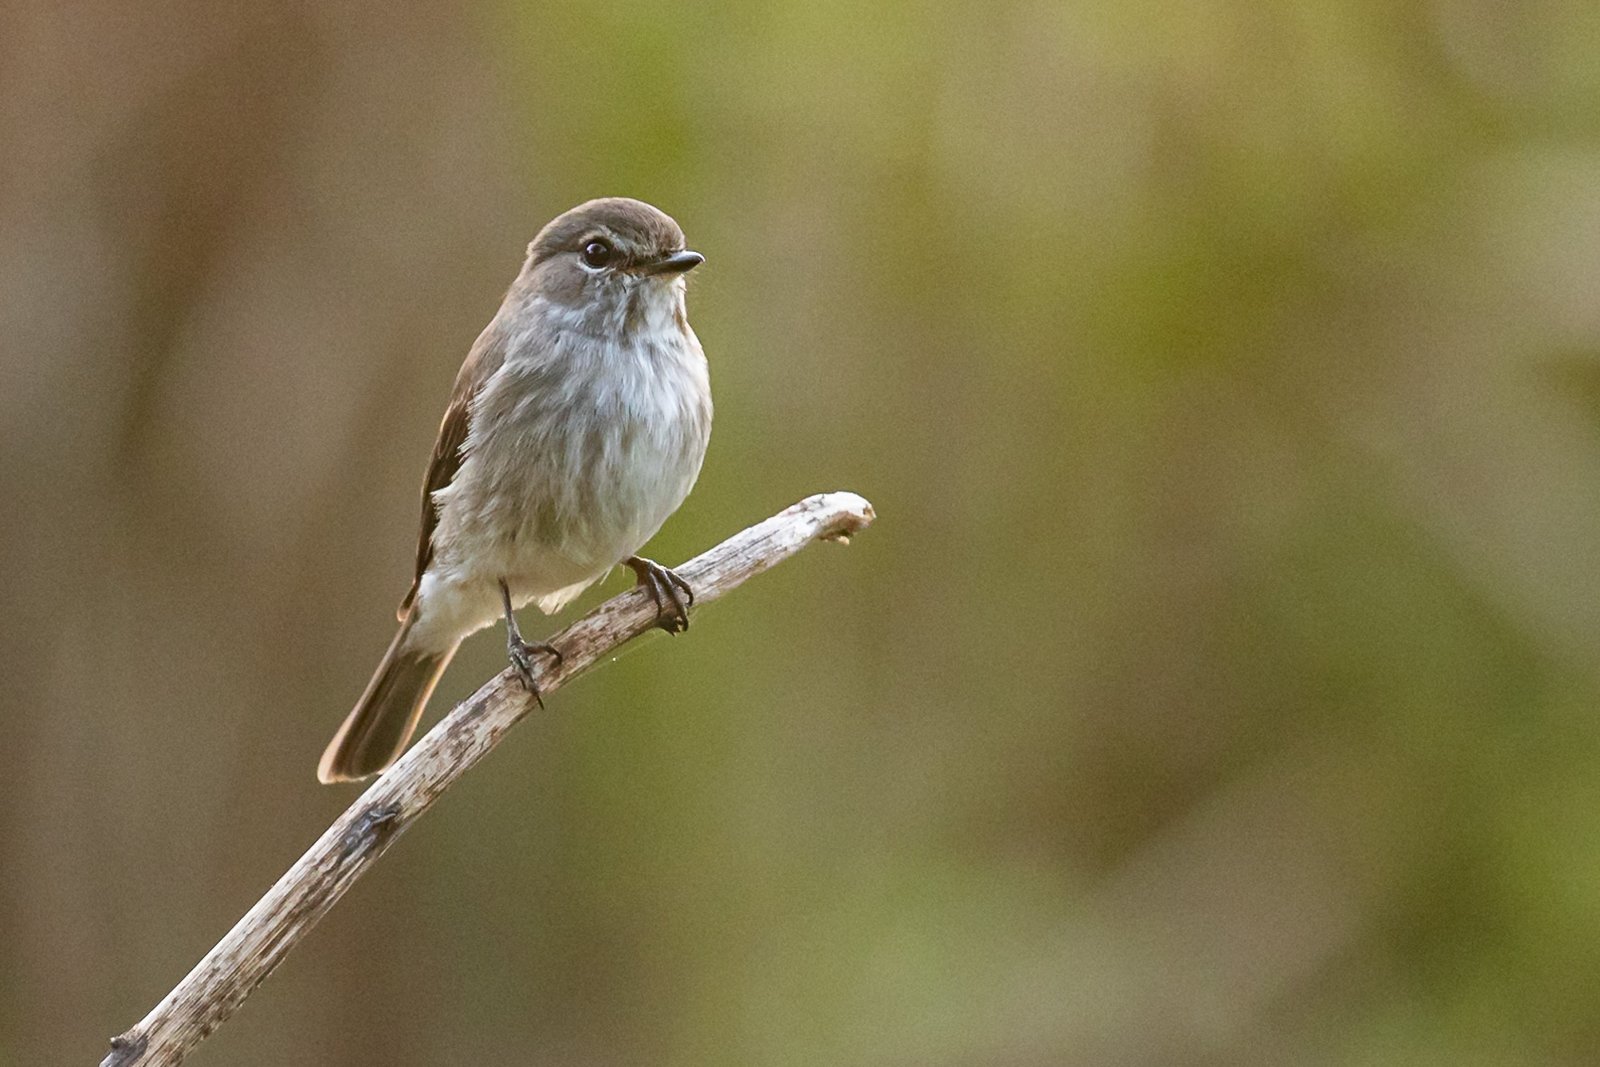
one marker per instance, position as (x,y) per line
(597,253)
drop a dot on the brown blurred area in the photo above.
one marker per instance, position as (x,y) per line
(1217,687)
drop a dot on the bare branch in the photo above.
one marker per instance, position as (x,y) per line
(228,974)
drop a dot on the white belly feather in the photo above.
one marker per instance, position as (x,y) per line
(574,459)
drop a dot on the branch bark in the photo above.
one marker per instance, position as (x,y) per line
(238,963)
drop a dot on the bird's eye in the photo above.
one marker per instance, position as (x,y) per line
(597,253)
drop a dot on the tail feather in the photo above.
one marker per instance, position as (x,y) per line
(376,731)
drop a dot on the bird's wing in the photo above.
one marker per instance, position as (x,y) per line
(487,354)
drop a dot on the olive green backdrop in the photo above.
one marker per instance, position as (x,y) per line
(1217,687)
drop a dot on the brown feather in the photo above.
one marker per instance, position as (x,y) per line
(488,353)
(376,730)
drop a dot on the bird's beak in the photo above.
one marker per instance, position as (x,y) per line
(677,263)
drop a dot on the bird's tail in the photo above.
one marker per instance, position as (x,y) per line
(376,731)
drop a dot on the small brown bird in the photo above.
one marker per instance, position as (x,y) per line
(576,427)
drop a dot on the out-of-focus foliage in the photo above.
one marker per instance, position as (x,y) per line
(1217,687)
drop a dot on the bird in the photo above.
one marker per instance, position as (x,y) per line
(577,425)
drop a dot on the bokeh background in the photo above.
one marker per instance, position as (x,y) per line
(1218,685)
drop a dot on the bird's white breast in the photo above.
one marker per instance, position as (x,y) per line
(578,450)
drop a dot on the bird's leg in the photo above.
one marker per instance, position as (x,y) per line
(520,651)
(664,584)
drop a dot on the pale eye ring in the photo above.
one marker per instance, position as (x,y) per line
(597,253)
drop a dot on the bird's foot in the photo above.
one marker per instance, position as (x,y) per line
(521,654)
(672,609)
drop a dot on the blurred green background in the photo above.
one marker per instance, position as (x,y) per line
(1217,686)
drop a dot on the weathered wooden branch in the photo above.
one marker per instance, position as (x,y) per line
(239,962)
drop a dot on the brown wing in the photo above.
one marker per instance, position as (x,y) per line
(487,354)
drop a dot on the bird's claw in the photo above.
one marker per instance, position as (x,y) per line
(521,654)
(672,610)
